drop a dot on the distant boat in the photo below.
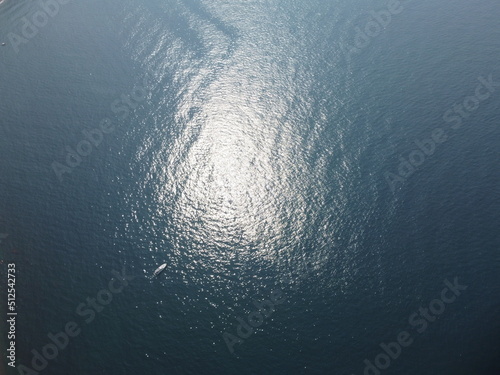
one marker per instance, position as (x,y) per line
(159,270)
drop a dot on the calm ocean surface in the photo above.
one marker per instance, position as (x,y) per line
(249,149)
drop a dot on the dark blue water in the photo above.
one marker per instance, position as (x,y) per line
(249,147)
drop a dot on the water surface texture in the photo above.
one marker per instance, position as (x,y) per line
(262,150)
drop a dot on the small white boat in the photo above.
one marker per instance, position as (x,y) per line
(159,270)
